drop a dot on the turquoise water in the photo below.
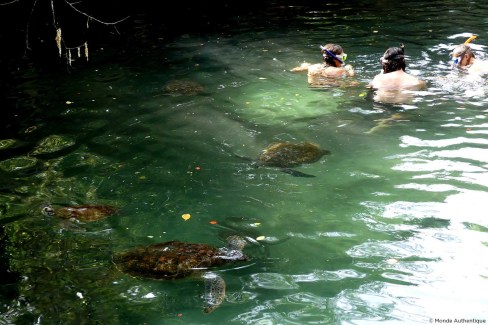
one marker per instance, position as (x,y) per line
(391,229)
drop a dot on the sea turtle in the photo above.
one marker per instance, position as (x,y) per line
(84,212)
(286,155)
(175,259)
(183,87)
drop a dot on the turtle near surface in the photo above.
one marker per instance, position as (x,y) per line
(183,87)
(175,260)
(286,155)
(83,212)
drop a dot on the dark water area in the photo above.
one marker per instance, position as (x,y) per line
(165,122)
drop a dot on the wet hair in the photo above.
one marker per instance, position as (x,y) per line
(335,49)
(393,59)
(463,49)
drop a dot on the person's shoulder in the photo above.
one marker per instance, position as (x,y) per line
(397,80)
(479,67)
(377,81)
(316,67)
(417,82)
(336,71)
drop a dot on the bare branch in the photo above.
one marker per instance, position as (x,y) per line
(27,47)
(93,18)
(54,15)
(9,3)
(59,38)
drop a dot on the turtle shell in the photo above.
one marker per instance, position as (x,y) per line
(288,154)
(172,260)
(86,213)
(183,87)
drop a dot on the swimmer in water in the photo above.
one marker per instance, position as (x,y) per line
(464,58)
(393,85)
(334,66)
(393,75)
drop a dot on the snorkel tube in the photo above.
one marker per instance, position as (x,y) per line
(472,38)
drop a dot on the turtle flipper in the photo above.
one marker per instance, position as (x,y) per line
(295,173)
(253,162)
(244,158)
(214,291)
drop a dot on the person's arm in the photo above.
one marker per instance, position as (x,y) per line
(303,67)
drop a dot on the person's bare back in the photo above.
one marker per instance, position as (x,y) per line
(397,80)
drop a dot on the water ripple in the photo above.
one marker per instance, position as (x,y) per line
(298,308)
(410,141)
(273,281)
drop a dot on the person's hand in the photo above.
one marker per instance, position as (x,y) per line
(350,70)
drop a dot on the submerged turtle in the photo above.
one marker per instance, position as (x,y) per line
(183,87)
(84,212)
(250,228)
(286,155)
(387,122)
(174,260)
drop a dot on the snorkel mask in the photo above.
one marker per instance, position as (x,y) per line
(325,52)
(456,60)
(457,57)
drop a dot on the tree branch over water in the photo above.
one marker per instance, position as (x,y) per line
(93,18)
(8,3)
(70,22)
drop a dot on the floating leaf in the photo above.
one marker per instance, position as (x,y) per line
(213,222)
(260,238)
(186,216)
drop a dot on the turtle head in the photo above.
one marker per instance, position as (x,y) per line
(47,210)
(233,250)
(235,242)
